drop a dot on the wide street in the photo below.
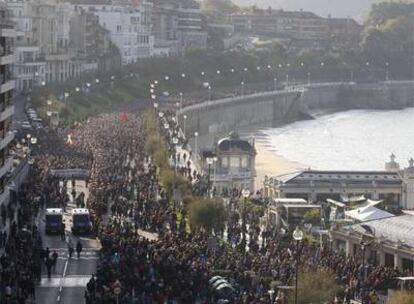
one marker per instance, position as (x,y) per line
(68,281)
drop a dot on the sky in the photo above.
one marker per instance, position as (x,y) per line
(357,9)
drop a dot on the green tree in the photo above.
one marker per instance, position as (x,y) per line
(207,214)
(315,287)
(222,6)
(312,216)
(387,36)
(402,298)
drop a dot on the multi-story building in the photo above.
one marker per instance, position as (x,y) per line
(190,28)
(344,33)
(30,65)
(42,43)
(297,29)
(165,23)
(178,26)
(7,35)
(91,43)
(129,26)
(51,33)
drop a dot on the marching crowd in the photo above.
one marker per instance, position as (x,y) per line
(175,265)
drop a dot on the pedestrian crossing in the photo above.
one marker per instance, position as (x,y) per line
(86,254)
(68,281)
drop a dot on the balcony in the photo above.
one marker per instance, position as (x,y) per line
(7,86)
(6,140)
(4,32)
(7,59)
(8,165)
(7,112)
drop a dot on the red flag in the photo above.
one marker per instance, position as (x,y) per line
(123,117)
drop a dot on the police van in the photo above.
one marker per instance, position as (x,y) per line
(81,221)
(53,220)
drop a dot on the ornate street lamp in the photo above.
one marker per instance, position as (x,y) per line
(297,236)
(195,143)
(245,193)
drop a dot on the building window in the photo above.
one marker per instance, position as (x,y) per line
(225,162)
(244,162)
(389,260)
(234,162)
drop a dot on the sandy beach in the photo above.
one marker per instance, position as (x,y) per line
(270,164)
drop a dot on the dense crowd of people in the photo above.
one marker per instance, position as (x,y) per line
(170,264)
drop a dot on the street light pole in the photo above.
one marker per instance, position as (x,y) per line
(387,71)
(245,194)
(297,236)
(209,162)
(195,144)
(215,159)
(363,247)
(184,123)
(175,142)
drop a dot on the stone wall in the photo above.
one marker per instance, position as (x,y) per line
(215,118)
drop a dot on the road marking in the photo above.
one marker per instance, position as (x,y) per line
(67,282)
(61,281)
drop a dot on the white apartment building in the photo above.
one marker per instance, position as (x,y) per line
(129,27)
(30,65)
(42,41)
(7,35)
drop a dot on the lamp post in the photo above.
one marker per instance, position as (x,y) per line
(387,71)
(181,100)
(195,144)
(215,159)
(184,123)
(330,242)
(175,143)
(297,236)
(242,88)
(209,163)
(177,108)
(363,248)
(245,194)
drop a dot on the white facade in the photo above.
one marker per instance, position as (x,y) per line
(129,28)
(29,67)
(42,42)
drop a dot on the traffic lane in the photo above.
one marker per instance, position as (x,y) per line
(84,266)
(71,295)
(47,295)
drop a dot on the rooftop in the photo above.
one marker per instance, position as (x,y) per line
(278,13)
(397,229)
(234,142)
(367,213)
(341,176)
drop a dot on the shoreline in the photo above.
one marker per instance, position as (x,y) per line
(270,164)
